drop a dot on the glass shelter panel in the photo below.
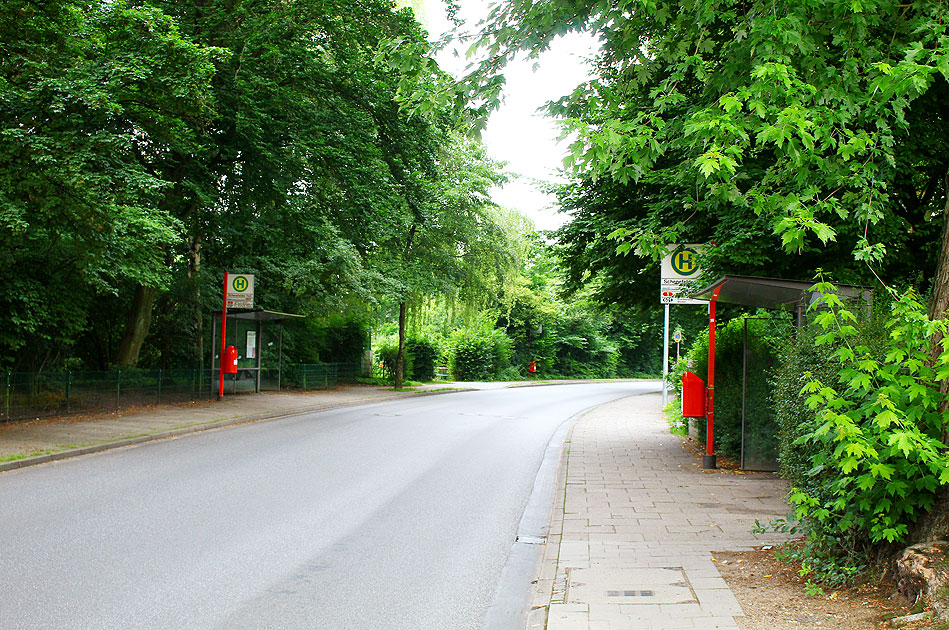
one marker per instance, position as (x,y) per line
(759,427)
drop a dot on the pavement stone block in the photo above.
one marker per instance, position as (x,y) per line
(637,508)
(559,618)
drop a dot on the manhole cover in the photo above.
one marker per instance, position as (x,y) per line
(645,585)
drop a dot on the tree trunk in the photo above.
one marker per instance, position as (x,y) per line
(934,525)
(940,299)
(400,357)
(197,324)
(136,328)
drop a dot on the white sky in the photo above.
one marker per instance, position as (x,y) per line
(517,133)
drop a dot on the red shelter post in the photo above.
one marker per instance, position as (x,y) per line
(220,385)
(708,460)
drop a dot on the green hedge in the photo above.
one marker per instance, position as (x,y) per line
(479,354)
(423,355)
(800,362)
(766,335)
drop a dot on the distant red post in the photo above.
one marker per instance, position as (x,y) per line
(708,460)
(220,385)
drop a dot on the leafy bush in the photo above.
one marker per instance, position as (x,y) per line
(423,355)
(479,353)
(386,354)
(876,438)
(766,334)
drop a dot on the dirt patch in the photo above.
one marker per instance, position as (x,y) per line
(774,597)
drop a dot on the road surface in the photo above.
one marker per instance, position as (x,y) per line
(391,516)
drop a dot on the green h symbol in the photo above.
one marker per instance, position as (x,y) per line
(684,262)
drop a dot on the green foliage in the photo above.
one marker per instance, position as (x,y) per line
(876,441)
(677,424)
(766,335)
(575,339)
(424,354)
(479,353)
(387,354)
(421,356)
(816,125)
(92,97)
(335,338)
(157,146)
(581,348)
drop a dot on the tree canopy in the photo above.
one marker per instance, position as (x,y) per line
(812,125)
(150,145)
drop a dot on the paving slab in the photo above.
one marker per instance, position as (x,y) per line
(635,523)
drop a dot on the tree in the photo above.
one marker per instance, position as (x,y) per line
(91,95)
(819,122)
(154,144)
(454,241)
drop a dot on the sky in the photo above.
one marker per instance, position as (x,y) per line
(517,133)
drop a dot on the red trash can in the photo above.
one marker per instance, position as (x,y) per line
(693,396)
(230,360)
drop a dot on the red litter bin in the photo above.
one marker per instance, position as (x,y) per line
(693,396)
(230,360)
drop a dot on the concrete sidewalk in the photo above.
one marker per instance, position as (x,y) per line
(635,523)
(48,439)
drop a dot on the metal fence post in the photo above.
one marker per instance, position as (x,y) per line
(304,377)
(159,386)
(68,387)
(118,388)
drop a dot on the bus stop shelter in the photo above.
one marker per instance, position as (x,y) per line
(773,293)
(770,293)
(259,364)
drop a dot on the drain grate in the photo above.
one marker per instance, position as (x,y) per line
(633,593)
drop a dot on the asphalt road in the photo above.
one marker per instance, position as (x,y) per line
(390,516)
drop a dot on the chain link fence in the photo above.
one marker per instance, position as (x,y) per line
(27,396)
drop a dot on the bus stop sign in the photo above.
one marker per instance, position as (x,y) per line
(240,290)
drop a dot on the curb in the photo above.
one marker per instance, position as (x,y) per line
(206,426)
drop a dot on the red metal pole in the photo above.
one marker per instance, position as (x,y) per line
(708,461)
(220,385)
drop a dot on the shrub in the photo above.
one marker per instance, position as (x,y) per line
(878,424)
(387,354)
(423,354)
(479,354)
(766,334)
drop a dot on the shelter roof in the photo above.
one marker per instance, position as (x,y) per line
(773,293)
(261,315)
